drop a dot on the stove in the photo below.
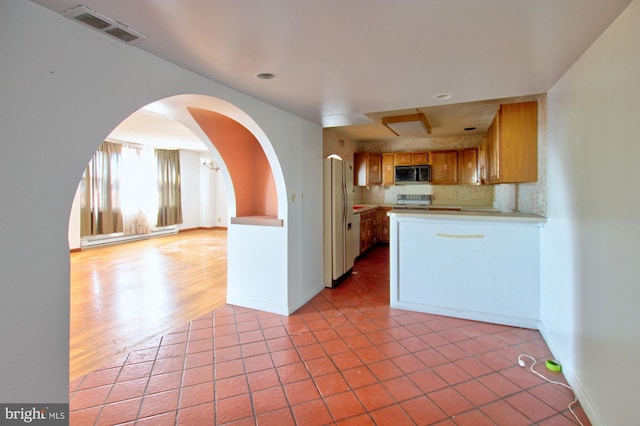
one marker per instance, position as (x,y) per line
(413,201)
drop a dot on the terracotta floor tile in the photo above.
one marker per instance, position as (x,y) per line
(268,400)
(423,410)
(331,384)
(408,363)
(312,413)
(233,386)
(199,359)
(257,363)
(282,417)
(392,415)
(194,376)
(164,382)
(344,405)
(274,332)
(451,373)
(201,334)
(334,347)
(475,392)
(254,348)
(503,413)
(358,377)
(223,370)
(235,408)
(99,378)
(135,371)
(427,381)
(344,358)
(203,414)
(303,391)
(530,406)
(119,412)
(499,384)
(159,403)
(127,390)
(401,388)
(86,416)
(90,398)
(292,373)
(450,401)
(196,395)
(473,367)
(473,418)
(321,366)
(311,351)
(200,346)
(172,350)
(361,420)
(168,365)
(374,397)
(263,380)
(286,357)
(385,370)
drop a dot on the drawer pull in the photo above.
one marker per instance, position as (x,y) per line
(460,236)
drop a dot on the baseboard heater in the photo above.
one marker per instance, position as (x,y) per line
(120,237)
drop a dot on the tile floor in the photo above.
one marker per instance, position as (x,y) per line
(344,358)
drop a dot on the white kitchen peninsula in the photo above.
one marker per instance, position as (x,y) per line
(482,266)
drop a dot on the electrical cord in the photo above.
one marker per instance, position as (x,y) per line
(521,363)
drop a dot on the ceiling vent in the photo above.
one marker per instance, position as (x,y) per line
(103,24)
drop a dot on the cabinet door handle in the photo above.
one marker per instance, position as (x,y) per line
(459,236)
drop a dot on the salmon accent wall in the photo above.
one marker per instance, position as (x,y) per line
(250,172)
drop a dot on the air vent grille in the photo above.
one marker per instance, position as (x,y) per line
(103,24)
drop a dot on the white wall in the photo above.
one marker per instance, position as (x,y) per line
(190,189)
(590,305)
(64,88)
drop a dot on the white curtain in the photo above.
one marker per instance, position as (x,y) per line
(138,189)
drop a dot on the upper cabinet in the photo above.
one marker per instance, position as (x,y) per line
(368,169)
(444,169)
(388,169)
(411,158)
(469,167)
(510,147)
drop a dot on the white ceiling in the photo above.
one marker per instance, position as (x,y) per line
(340,63)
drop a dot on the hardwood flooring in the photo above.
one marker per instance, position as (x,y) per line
(129,294)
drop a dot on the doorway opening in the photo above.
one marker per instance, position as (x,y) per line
(138,284)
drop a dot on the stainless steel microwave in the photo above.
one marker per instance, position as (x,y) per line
(413,174)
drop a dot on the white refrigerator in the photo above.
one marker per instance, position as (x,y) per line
(339,247)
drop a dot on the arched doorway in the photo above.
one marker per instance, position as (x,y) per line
(247,173)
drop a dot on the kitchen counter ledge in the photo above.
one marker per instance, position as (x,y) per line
(467,215)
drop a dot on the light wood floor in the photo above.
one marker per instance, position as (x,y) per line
(129,294)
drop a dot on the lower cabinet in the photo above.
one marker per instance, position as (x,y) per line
(374,227)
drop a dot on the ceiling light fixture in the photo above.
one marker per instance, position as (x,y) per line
(408,125)
(266,76)
(442,96)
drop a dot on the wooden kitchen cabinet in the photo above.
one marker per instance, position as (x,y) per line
(469,167)
(510,147)
(411,158)
(388,169)
(444,170)
(368,169)
(368,237)
(383,224)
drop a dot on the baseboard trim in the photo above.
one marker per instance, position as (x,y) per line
(75,250)
(203,228)
(569,374)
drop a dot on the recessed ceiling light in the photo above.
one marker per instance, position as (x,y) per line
(266,76)
(442,96)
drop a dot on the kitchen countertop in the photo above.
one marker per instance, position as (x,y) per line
(457,212)
(468,215)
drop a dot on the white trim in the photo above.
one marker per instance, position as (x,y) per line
(583,397)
